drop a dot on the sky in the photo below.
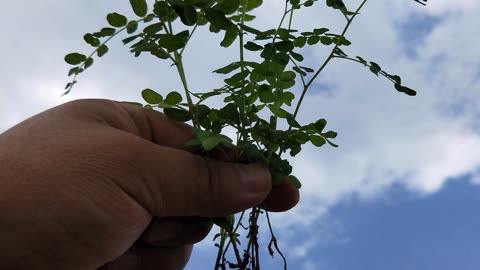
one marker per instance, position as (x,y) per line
(401,191)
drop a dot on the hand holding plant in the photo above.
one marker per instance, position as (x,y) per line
(260,96)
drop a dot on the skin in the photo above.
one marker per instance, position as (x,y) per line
(101,184)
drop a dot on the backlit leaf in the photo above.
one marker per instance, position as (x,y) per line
(177,114)
(102,50)
(151,96)
(187,14)
(116,19)
(406,90)
(139,7)
(75,58)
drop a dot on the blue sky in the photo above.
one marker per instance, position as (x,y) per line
(402,189)
(401,231)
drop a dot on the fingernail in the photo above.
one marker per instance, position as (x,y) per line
(256,178)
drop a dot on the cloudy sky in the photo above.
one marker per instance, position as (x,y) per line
(403,188)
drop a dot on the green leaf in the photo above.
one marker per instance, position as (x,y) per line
(228,112)
(313,40)
(295,149)
(237,79)
(153,28)
(320,31)
(296,56)
(151,97)
(105,32)
(117,20)
(230,36)
(300,41)
(292,122)
(251,4)
(229,68)
(267,97)
(326,40)
(88,63)
(332,144)
(294,180)
(405,90)
(139,7)
(187,14)
(307,69)
(287,98)
(329,134)
(129,39)
(174,42)
(102,50)
(75,71)
(375,68)
(149,18)
(250,29)
(211,143)
(277,111)
(173,98)
(363,61)
(283,46)
(90,39)
(301,137)
(394,78)
(228,7)
(281,59)
(308,3)
(338,51)
(75,58)
(318,141)
(159,52)
(320,125)
(246,18)
(218,19)
(132,26)
(177,114)
(252,46)
(298,70)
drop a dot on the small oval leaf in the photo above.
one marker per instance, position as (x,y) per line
(75,58)
(151,96)
(116,20)
(139,7)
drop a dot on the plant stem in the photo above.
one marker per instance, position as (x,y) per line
(242,91)
(94,51)
(181,72)
(274,241)
(220,248)
(326,61)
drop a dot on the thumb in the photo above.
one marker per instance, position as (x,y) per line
(179,183)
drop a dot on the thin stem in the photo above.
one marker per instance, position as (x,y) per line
(181,72)
(242,91)
(383,73)
(189,37)
(235,249)
(297,108)
(95,51)
(220,248)
(274,241)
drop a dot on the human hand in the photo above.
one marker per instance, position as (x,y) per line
(83,182)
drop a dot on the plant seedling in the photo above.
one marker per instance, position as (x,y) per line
(260,96)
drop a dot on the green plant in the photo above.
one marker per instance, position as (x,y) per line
(251,89)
